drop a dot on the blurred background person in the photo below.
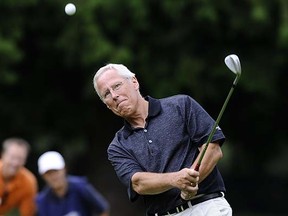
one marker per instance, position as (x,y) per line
(18,186)
(66,195)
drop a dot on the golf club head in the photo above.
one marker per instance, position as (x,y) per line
(233,63)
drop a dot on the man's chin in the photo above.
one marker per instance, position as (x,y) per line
(122,112)
(12,172)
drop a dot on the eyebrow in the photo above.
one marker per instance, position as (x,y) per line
(106,90)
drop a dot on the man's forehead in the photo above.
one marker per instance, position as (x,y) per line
(109,77)
(14,148)
(109,72)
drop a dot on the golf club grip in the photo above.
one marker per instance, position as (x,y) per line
(197,167)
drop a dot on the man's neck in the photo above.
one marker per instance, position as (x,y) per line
(139,119)
(6,178)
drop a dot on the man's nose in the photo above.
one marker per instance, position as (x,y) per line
(17,162)
(114,94)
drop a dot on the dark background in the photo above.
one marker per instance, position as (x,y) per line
(48,60)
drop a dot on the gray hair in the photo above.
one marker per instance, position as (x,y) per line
(120,68)
(15,140)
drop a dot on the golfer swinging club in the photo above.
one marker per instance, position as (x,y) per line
(154,154)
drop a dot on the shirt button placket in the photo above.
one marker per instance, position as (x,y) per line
(145,131)
(149,141)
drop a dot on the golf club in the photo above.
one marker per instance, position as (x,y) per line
(233,63)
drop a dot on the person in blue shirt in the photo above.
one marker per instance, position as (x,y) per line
(154,154)
(66,195)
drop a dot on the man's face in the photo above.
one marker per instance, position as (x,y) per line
(120,94)
(56,179)
(13,158)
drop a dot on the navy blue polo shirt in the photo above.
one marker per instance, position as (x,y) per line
(82,199)
(175,127)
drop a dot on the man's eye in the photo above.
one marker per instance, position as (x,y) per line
(117,86)
(106,94)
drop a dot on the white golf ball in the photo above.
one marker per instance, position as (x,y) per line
(70,9)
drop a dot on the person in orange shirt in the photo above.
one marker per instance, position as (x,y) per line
(18,185)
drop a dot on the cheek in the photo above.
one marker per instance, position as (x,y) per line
(110,105)
(16,161)
(47,178)
(113,109)
(116,112)
(50,176)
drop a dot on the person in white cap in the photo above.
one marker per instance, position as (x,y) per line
(66,195)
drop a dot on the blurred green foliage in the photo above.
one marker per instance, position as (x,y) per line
(48,59)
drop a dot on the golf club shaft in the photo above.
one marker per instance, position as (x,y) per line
(216,123)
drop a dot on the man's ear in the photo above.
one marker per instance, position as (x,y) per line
(135,82)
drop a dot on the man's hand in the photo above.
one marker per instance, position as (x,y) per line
(187,195)
(187,181)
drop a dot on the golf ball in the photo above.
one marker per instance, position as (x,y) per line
(70,9)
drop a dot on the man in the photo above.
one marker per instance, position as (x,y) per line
(66,195)
(18,186)
(155,152)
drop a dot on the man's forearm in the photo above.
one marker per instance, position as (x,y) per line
(211,158)
(145,183)
(151,183)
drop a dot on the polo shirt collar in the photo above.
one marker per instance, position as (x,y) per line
(154,108)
